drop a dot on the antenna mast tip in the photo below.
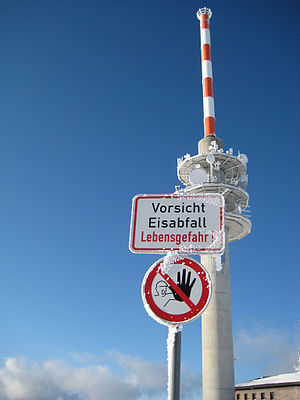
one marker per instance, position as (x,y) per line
(204,10)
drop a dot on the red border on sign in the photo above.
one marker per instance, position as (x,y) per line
(195,309)
(166,249)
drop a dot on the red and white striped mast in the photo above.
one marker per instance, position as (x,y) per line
(204,15)
(209,119)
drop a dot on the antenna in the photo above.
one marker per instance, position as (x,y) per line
(204,15)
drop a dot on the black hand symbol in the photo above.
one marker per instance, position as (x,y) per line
(185,285)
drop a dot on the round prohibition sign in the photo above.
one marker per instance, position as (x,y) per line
(177,293)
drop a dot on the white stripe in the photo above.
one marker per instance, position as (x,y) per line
(208,107)
(205,36)
(206,69)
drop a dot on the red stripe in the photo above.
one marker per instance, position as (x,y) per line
(177,290)
(204,21)
(210,126)
(206,55)
(208,87)
(221,219)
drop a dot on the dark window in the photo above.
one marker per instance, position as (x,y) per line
(263,396)
(253,396)
(245,397)
(238,397)
(272,396)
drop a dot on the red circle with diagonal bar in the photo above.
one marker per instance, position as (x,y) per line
(176,292)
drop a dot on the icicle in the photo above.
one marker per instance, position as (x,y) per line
(218,262)
(170,259)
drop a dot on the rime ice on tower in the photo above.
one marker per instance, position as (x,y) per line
(213,170)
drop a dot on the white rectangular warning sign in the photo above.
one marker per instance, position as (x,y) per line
(191,223)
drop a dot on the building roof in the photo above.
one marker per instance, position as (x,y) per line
(290,379)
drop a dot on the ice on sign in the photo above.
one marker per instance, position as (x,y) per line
(193,223)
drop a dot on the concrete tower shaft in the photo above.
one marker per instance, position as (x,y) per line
(217,343)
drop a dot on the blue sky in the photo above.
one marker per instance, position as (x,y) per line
(97,101)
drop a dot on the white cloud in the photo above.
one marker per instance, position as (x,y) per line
(23,379)
(142,373)
(83,357)
(270,350)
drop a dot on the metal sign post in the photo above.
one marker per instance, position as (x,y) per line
(174,360)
